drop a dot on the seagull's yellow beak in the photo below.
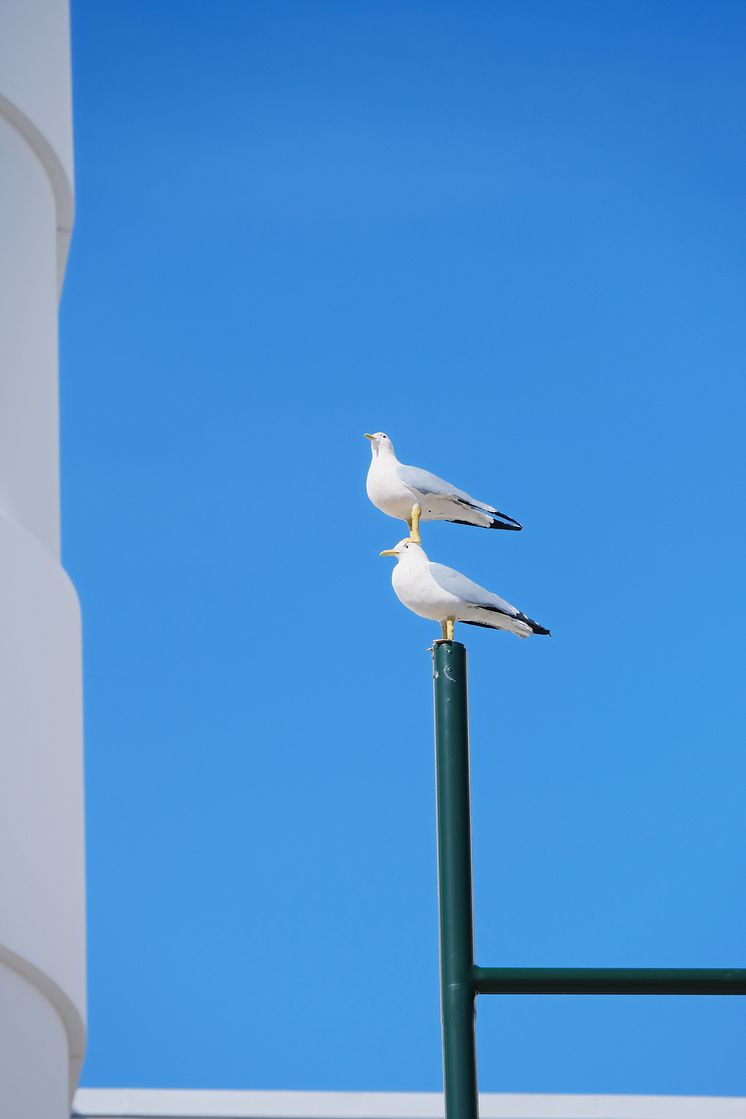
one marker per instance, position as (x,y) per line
(389,552)
(371,437)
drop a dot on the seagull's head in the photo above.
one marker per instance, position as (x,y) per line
(379,442)
(405,550)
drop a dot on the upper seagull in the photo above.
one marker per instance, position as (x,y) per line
(412,495)
(446,596)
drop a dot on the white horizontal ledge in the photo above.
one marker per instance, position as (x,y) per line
(157,1103)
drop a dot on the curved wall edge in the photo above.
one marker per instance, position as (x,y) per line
(62,188)
(71,1020)
(35,97)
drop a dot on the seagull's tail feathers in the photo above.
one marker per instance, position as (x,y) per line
(481,519)
(509,625)
(520,625)
(482,625)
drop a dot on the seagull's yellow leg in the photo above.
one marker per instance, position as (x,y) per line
(446,629)
(414,525)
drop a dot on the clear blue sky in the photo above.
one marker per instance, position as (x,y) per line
(512,235)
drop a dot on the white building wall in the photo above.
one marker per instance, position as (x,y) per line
(33,1024)
(133,1103)
(42,931)
(29,472)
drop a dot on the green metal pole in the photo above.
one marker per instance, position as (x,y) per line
(455,880)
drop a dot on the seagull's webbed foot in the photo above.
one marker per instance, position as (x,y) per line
(414,524)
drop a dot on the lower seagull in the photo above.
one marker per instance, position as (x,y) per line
(446,596)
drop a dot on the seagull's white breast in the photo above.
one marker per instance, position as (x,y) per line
(416,589)
(386,490)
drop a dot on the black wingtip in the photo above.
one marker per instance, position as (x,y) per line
(536,628)
(508,528)
(507,523)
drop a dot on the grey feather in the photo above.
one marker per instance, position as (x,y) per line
(457,584)
(423,482)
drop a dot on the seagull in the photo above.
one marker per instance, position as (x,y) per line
(412,495)
(446,596)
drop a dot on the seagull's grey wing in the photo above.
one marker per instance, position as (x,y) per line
(422,481)
(456,583)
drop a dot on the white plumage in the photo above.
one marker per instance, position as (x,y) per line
(446,596)
(395,488)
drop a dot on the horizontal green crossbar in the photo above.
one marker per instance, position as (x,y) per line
(608,981)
